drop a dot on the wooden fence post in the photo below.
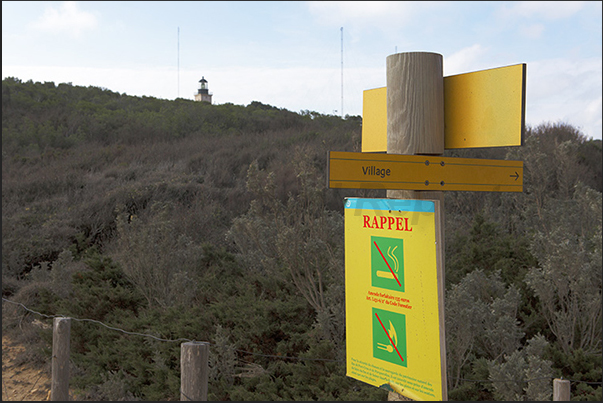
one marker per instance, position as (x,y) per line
(561,390)
(415,125)
(194,371)
(61,334)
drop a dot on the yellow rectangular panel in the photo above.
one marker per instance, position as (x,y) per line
(352,170)
(374,121)
(481,109)
(394,329)
(485,108)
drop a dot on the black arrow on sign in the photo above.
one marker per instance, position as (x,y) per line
(516,175)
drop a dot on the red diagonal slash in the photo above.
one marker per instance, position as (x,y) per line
(390,269)
(390,339)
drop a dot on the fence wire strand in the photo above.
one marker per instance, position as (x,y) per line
(264,355)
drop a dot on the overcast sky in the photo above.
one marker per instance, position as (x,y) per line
(289,54)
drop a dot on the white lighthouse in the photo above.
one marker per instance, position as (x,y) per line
(203,93)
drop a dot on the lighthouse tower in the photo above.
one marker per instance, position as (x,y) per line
(203,93)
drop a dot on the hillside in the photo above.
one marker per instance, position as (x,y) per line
(187,220)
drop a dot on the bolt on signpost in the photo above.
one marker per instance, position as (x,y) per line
(394,247)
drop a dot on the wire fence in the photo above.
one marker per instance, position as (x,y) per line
(182,339)
(274,356)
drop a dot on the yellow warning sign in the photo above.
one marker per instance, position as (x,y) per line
(392,304)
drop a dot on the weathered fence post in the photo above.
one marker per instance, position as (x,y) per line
(61,334)
(561,390)
(194,371)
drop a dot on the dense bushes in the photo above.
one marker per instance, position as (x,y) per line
(207,222)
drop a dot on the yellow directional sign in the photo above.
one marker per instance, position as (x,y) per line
(354,170)
(481,109)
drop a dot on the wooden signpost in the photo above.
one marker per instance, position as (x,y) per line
(418,115)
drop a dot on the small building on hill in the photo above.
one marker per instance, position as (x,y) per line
(203,92)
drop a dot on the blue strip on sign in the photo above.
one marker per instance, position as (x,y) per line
(422,206)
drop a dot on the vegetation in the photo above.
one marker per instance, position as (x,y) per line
(185,220)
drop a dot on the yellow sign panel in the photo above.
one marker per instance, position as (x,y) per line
(354,170)
(481,109)
(374,120)
(485,108)
(393,323)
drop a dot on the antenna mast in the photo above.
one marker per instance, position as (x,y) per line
(342,72)
(178,62)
